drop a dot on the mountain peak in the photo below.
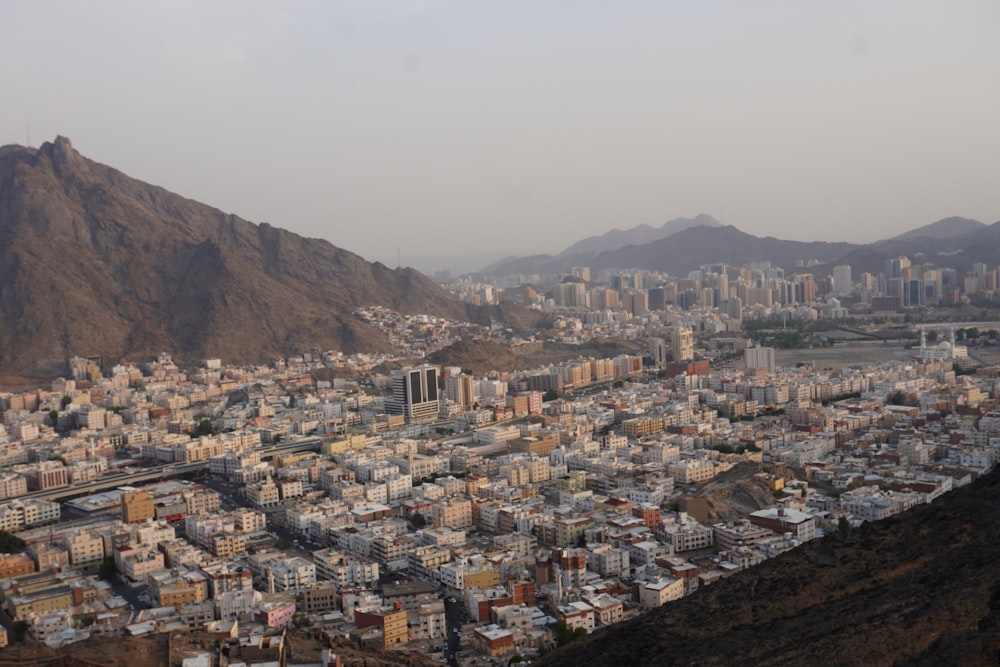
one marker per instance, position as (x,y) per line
(95,262)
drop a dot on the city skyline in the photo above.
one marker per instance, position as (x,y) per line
(442,127)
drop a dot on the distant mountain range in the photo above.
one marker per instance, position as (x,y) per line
(616,238)
(919,588)
(684,245)
(93,262)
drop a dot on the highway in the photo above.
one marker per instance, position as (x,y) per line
(160,472)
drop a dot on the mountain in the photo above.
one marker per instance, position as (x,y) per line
(582,252)
(639,235)
(919,588)
(952,242)
(689,249)
(981,244)
(93,262)
(948,228)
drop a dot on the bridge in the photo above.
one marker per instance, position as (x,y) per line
(161,472)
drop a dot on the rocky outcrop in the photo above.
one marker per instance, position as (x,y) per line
(920,588)
(93,262)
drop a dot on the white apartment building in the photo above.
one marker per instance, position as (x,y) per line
(292,574)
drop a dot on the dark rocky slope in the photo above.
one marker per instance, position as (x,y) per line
(921,588)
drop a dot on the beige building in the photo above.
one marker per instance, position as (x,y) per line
(454,513)
(137,506)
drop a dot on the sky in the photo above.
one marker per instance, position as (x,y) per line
(412,128)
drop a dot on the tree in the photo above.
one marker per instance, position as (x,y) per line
(550,395)
(843,526)
(564,634)
(108,565)
(205,427)
(8,543)
(300,621)
(418,520)
(20,629)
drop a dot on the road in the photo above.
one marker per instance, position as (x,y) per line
(455,616)
(160,472)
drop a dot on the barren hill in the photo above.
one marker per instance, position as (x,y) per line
(93,262)
(920,588)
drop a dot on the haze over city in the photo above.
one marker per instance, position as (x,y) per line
(520,127)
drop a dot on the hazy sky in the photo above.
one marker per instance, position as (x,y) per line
(445,126)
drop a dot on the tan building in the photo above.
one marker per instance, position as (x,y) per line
(15,565)
(493,641)
(137,506)
(85,549)
(454,513)
(392,622)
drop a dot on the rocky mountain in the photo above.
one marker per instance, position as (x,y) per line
(981,244)
(639,235)
(689,249)
(582,252)
(920,588)
(948,228)
(93,262)
(954,242)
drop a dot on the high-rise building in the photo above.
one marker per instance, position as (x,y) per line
(657,298)
(895,267)
(682,343)
(460,389)
(842,280)
(759,358)
(414,393)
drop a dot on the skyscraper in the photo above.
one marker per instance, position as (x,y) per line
(414,393)
(842,283)
(682,343)
(759,358)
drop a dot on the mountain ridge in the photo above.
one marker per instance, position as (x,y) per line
(964,240)
(643,233)
(154,271)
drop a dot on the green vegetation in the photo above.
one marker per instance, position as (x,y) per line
(9,544)
(300,621)
(418,520)
(282,544)
(550,395)
(205,427)
(565,634)
(726,448)
(20,628)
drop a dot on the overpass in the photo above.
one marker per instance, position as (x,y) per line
(157,473)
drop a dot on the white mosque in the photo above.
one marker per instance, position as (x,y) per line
(946,350)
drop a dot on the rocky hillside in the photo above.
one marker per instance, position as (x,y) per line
(921,588)
(93,262)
